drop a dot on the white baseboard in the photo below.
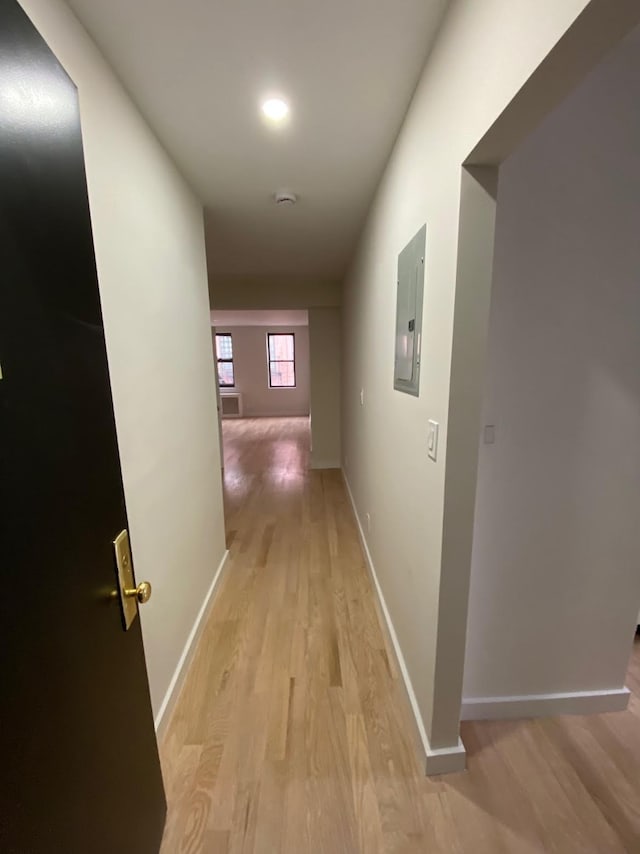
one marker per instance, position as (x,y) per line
(274,414)
(444,760)
(164,713)
(543,705)
(325,464)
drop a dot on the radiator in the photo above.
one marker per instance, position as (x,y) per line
(231,405)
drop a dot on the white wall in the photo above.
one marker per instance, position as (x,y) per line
(325,345)
(251,372)
(273,292)
(150,254)
(555,585)
(484,54)
(260,317)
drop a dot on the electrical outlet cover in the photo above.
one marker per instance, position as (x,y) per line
(432,440)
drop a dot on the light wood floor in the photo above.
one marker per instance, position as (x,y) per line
(293,734)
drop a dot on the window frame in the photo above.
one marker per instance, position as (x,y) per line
(271,361)
(231,361)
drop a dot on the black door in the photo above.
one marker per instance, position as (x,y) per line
(78,755)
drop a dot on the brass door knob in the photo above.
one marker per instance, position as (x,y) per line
(142,592)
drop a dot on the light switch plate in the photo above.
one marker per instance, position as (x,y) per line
(432,440)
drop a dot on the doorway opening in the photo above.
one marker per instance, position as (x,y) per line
(263,381)
(262,360)
(555,578)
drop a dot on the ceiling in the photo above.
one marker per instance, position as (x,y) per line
(199,69)
(282,317)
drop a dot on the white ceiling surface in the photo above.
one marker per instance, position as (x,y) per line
(228,318)
(199,69)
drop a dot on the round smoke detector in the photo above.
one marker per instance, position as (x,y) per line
(285,199)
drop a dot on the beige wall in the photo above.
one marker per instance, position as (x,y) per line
(484,54)
(281,292)
(556,556)
(150,255)
(251,372)
(325,344)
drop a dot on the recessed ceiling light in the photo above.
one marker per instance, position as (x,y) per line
(275,109)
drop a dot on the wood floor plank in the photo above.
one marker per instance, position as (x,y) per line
(293,733)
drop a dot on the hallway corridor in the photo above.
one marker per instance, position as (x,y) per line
(293,735)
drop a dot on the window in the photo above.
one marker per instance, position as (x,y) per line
(224,354)
(282,360)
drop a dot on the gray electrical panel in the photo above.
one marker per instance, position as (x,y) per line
(406,375)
